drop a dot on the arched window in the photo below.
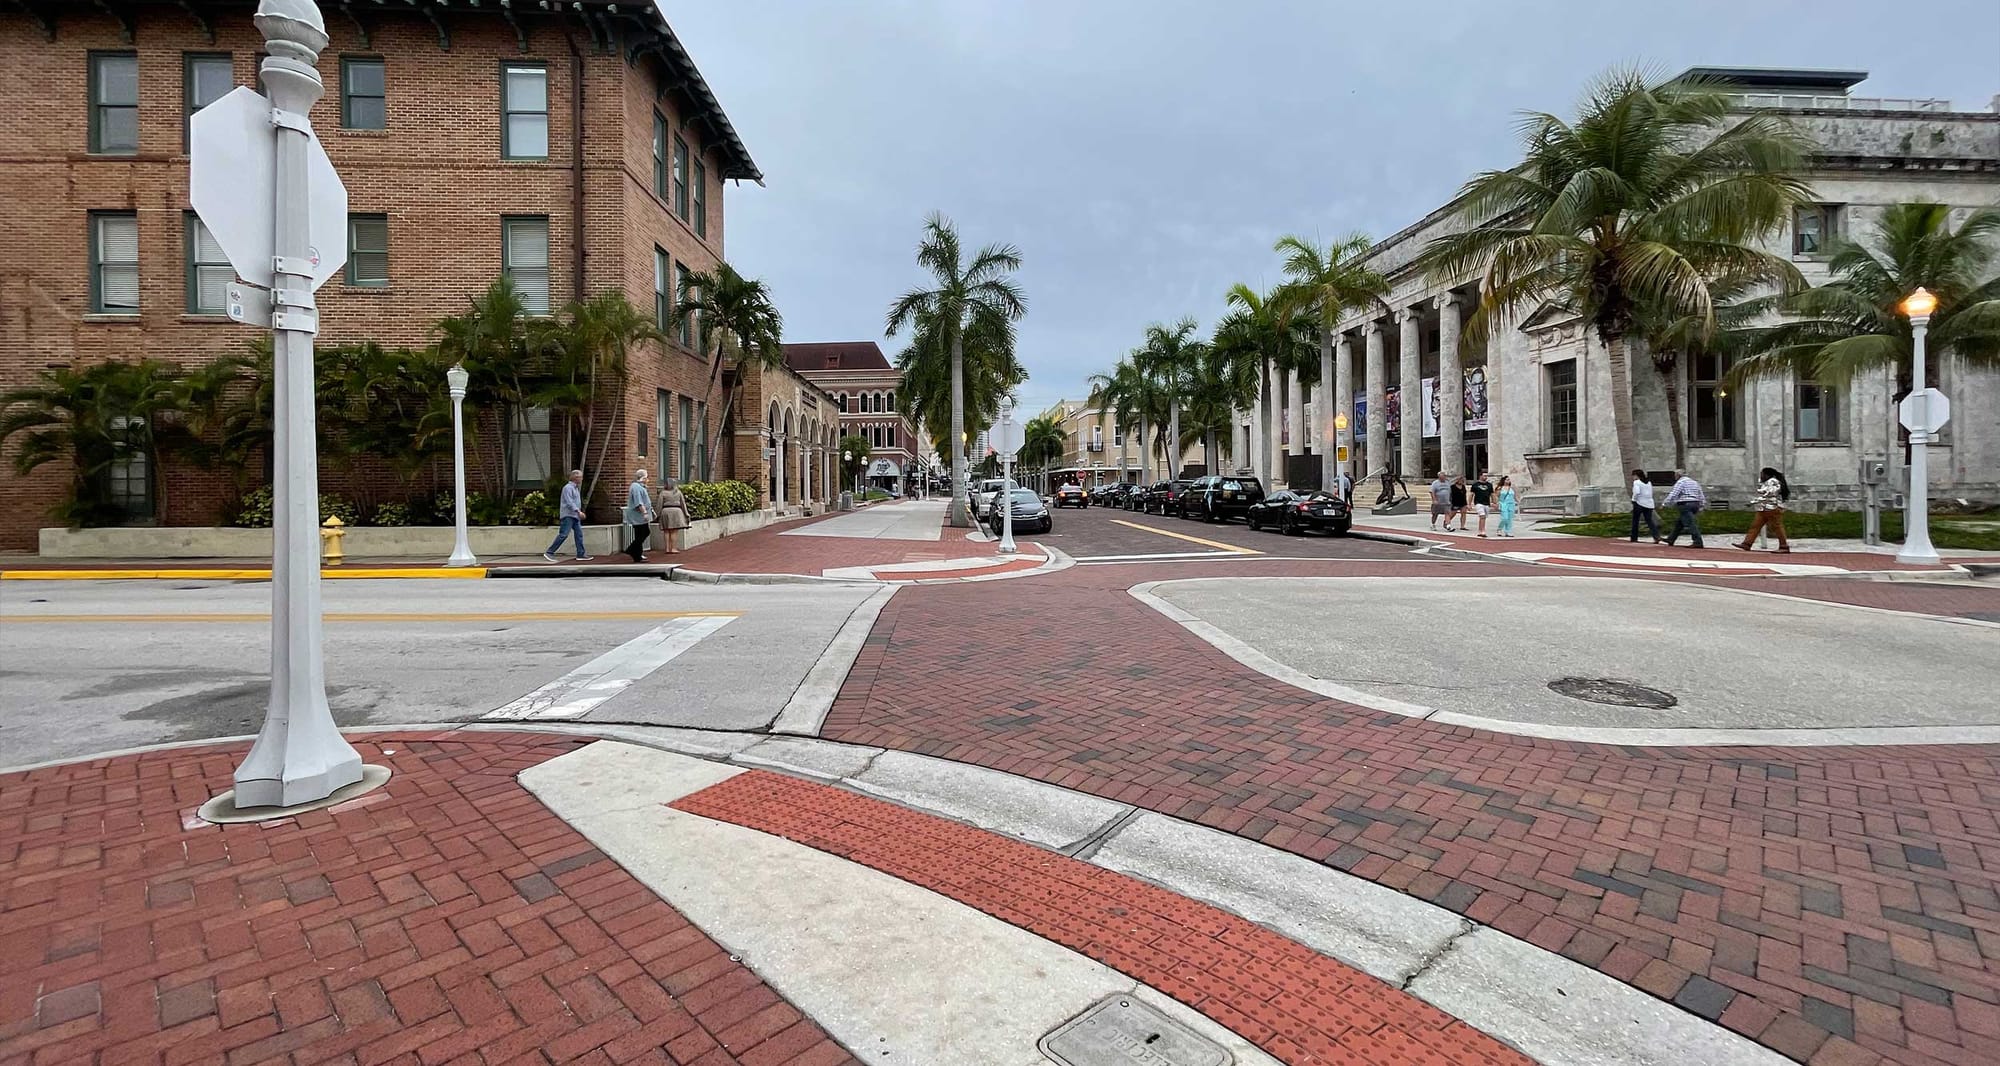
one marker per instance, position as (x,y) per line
(892,399)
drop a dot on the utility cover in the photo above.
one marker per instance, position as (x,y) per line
(1125,1031)
(232,182)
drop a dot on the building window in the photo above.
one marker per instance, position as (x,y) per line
(208,270)
(840,401)
(524,257)
(368,251)
(1818,412)
(525,112)
(129,476)
(1097,438)
(1814,228)
(681,286)
(663,409)
(114,263)
(892,401)
(528,446)
(663,291)
(1562,404)
(700,198)
(1711,410)
(659,155)
(681,178)
(114,103)
(688,439)
(205,78)
(364,94)
(1118,437)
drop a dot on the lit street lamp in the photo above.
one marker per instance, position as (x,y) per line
(1924,412)
(461,550)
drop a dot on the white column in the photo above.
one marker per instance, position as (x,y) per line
(1275,452)
(1451,389)
(1260,453)
(1378,400)
(1296,404)
(1343,395)
(1413,394)
(778,467)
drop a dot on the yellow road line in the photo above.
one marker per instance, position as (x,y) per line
(385,616)
(1230,548)
(236,574)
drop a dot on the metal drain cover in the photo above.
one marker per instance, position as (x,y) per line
(1123,1031)
(1616,693)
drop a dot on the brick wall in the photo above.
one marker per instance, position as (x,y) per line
(436,172)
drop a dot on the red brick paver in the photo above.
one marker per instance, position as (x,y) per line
(1834,902)
(769,551)
(1302,1007)
(448,917)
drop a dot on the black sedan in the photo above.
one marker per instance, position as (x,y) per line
(1294,513)
(1164,497)
(1071,496)
(1031,515)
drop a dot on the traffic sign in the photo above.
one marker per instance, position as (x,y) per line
(1006,437)
(232,182)
(1924,411)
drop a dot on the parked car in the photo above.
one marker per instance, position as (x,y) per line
(1031,515)
(983,493)
(1220,497)
(1103,495)
(1071,496)
(1164,497)
(1293,513)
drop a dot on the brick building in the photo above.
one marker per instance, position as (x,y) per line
(573,147)
(864,387)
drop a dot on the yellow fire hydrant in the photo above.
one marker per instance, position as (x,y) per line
(329,540)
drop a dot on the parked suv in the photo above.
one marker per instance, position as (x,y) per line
(1164,497)
(1220,497)
(982,495)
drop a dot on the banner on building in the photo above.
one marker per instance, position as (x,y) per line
(1285,426)
(1392,409)
(1475,397)
(1430,409)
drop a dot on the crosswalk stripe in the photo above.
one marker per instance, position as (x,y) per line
(580,691)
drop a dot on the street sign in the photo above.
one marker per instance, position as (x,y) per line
(1341,453)
(1006,437)
(232,181)
(1925,411)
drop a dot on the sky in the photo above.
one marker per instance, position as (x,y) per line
(1144,155)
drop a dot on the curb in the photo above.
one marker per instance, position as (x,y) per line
(704,577)
(244,574)
(657,571)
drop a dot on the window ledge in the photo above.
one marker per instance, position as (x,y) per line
(1715,444)
(113,318)
(203,317)
(368,290)
(362,131)
(1559,453)
(1821,443)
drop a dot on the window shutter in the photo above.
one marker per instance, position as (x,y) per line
(528,263)
(118,262)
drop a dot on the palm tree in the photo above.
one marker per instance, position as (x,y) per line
(1325,284)
(1042,441)
(497,345)
(980,292)
(1640,202)
(990,371)
(854,450)
(1121,392)
(1169,356)
(95,418)
(593,349)
(1674,339)
(1269,330)
(1853,323)
(746,326)
(1224,381)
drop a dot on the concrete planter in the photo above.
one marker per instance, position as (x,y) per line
(361,542)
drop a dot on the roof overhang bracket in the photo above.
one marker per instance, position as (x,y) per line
(124,20)
(520,31)
(360,27)
(46,22)
(200,20)
(444,31)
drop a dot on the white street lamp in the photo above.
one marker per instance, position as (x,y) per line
(1922,419)
(461,549)
(1007,480)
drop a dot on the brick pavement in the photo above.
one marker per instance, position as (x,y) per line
(1299,1006)
(1838,905)
(446,918)
(769,551)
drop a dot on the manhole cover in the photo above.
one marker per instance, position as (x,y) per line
(1121,1031)
(1613,692)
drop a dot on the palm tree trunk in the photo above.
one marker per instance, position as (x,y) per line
(1145,453)
(1210,457)
(1173,436)
(1670,377)
(1618,355)
(604,452)
(958,516)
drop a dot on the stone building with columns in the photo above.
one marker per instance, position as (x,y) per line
(1533,399)
(863,385)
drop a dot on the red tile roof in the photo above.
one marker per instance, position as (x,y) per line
(836,355)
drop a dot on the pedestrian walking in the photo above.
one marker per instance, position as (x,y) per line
(1642,507)
(1482,499)
(1440,500)
(1509,503)
(1772,492)
(569,515)
(638,515)
(1346,486)
(673,513)
(1457,493)
(1688,499)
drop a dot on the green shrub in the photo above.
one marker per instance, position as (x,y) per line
(534,509)
(713,499)
(484,510)
(873,495)
(254,510)
(332,505)
(391,514)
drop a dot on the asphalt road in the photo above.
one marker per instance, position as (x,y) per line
(1106,533)
(1492,646)
(89,666)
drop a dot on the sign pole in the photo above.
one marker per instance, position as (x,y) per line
(1916,513)
(299,755)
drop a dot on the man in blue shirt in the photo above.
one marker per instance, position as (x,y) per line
(1687,496)
(571,514)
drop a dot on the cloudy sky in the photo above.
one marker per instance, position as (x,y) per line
(1145,154)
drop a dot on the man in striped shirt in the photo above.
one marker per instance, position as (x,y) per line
(1687,498)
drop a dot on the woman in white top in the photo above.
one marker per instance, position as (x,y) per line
(1642,506)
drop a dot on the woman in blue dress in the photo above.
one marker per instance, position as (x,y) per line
(1508,505)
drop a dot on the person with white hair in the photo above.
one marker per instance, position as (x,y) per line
(570,514)
(638,515)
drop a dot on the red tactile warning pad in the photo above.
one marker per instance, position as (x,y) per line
(1298,1005)
(446,918)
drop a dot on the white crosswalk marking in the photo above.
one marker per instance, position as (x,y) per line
(576,693)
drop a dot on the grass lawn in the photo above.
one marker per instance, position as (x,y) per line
(1948,532)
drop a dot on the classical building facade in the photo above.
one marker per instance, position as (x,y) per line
(864,387)
(574,148)
(1534,399)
